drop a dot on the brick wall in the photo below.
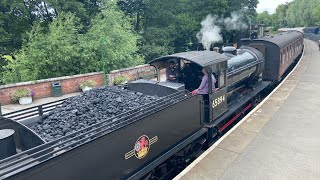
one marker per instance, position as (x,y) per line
(69,84)
(129,73)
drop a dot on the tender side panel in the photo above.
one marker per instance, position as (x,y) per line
(113,156)
(24,137)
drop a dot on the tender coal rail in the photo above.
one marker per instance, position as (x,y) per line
(33,111)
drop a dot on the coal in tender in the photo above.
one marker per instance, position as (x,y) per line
(87,109)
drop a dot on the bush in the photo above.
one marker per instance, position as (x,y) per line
(21,93)
(120,79)
(89,83)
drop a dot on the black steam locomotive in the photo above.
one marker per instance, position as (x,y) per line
(151,140)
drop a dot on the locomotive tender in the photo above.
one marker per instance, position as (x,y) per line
(151,140)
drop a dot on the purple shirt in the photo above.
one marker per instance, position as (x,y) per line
(203,88)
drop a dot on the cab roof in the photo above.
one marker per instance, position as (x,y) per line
(201,58)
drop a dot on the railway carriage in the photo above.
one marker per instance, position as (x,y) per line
(279,51)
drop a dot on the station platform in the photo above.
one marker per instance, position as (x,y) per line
(279,139)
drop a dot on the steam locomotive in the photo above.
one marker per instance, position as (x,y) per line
(153,140)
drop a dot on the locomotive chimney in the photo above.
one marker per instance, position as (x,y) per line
(216,49)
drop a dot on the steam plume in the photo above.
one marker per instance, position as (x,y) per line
(235,22)
(210,32)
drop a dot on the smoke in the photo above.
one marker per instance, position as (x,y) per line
(210,32)
(235,22)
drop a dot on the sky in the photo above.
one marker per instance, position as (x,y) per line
(270,5)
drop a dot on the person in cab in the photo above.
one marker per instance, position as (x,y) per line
(203,89)
(172,73)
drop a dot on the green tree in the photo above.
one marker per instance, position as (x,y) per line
(62,50)
(279,17)
(135,9)
(47,55)
(15,19)
(113,27)
(300,13)
(264,17)
(316,13)
(171,26)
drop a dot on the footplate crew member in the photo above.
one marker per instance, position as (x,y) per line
(203,88)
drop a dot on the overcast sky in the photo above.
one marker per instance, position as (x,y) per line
(269,5)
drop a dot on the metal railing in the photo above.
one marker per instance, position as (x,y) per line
(33,111)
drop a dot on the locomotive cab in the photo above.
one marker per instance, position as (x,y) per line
(190,65)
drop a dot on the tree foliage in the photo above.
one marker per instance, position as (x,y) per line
(49,54)
(264,17)
(111,35)
(17,17)
(62,50)
(171,26)
(279,17)
(50,38)
(316,13)
(298,13)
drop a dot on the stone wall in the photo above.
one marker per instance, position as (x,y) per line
(69,84)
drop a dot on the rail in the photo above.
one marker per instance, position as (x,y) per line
(33,111)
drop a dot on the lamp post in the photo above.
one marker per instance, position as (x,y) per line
(103,44)
(250,23)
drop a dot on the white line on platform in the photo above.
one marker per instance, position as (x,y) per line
(204,154)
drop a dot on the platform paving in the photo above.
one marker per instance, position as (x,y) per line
(279,140)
